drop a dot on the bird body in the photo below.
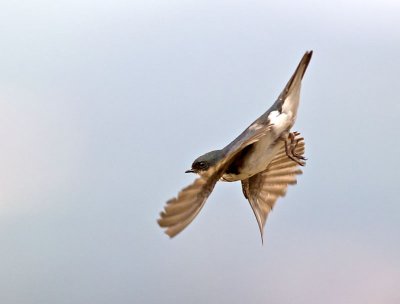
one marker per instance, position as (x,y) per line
(255,160)
(264,157)
(280,117)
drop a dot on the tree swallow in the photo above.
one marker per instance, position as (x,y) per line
(265,158)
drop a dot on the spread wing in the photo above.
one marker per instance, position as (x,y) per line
(179,212)
(263,189)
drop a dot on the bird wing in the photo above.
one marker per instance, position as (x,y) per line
(289,94)
(295,81)
(263,189)
(180,211)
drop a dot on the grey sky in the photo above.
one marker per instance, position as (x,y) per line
(104,105)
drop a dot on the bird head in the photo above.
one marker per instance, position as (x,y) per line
(204,162)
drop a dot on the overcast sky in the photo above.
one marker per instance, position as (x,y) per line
(105,104)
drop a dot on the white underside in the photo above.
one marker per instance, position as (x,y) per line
(265,149)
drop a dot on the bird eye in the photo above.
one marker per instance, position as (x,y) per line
(202,164)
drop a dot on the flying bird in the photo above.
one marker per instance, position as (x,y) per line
(266,158)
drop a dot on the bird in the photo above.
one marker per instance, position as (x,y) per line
(266,157)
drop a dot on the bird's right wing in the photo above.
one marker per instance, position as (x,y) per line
(295,81)
(180,211)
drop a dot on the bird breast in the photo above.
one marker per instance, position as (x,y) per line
(262,152)
(256,160)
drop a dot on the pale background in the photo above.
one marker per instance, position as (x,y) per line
(105,104)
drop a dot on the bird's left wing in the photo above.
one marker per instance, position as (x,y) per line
(180,211)
(263,189)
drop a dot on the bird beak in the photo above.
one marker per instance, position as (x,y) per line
(190,171)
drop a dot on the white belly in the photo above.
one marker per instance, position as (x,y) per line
(257,160)
(265,149)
